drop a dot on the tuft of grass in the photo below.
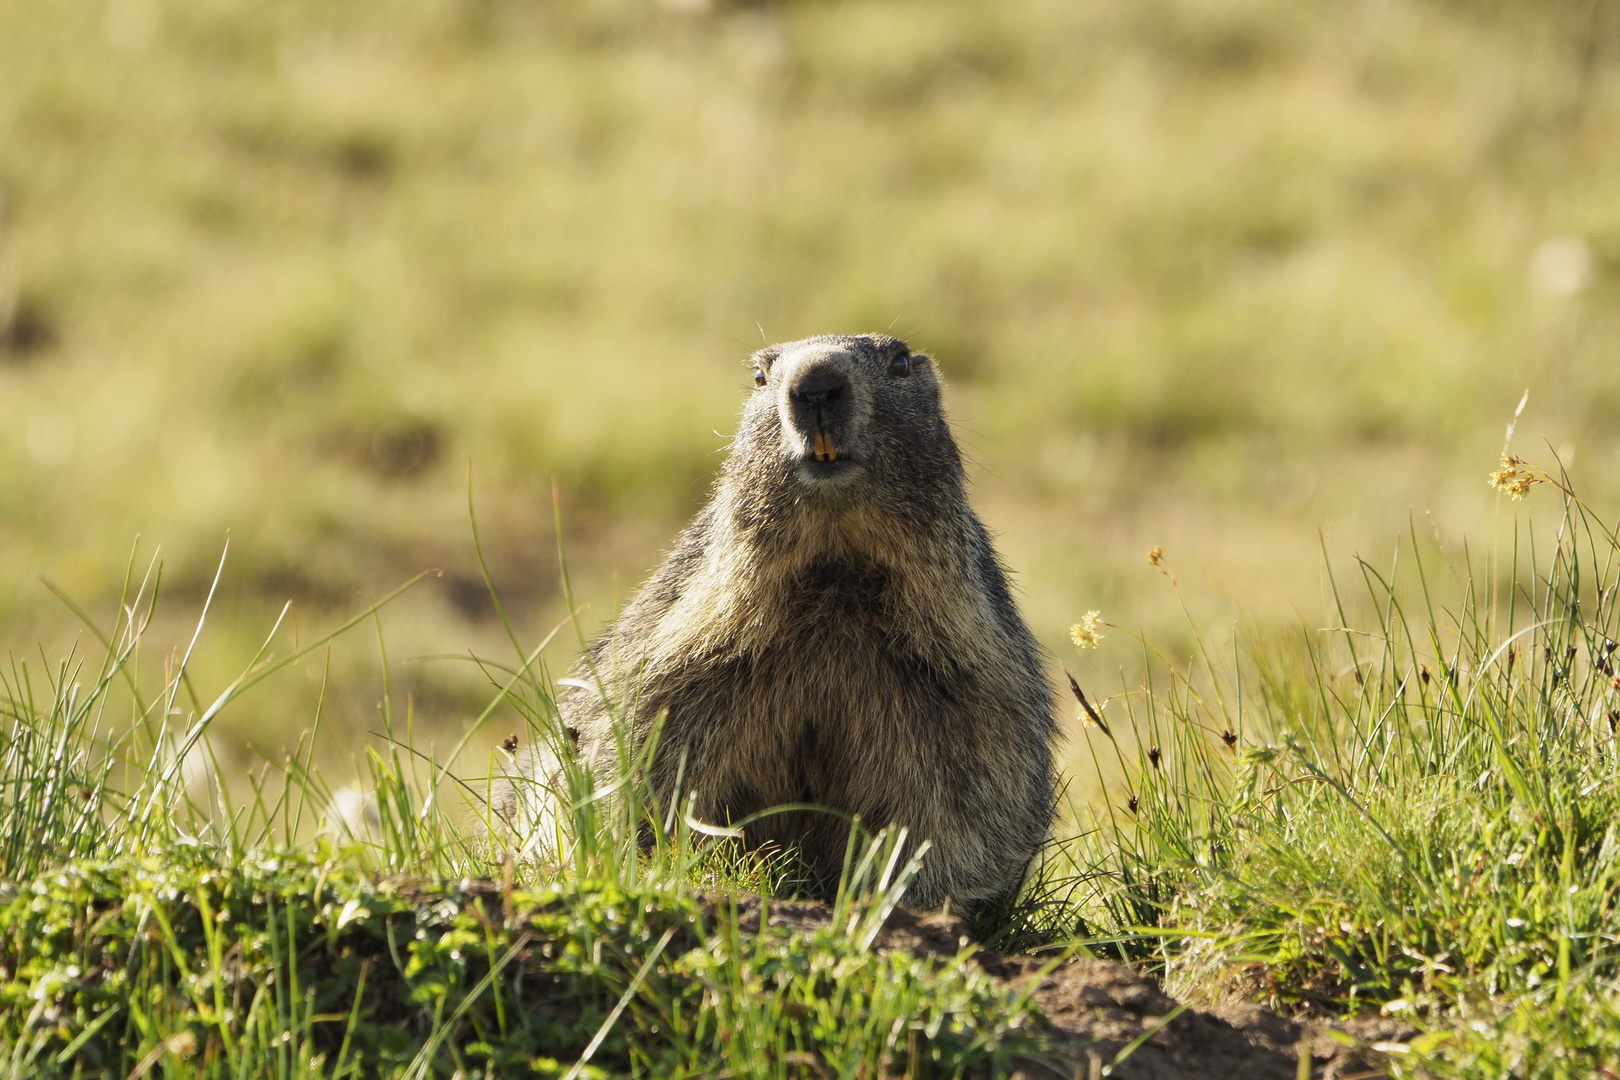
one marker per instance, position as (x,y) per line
(1412,810)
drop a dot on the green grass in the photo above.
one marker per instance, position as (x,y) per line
(300,964)
(1413,812)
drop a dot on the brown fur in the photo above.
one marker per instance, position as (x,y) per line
(840,633)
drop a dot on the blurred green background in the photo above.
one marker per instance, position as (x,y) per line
(1204,274)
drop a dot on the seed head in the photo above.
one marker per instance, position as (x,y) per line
(1156,556)
(1085,633)
(1511,479)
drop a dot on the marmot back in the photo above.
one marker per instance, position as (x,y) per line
(836,629)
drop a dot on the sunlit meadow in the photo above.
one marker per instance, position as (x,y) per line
(1228,294)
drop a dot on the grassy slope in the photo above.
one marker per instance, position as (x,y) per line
(298,965)
(1204,275)
(1413,812)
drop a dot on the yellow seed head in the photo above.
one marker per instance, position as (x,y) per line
(1510,479)
(1156,556)
(1086,633)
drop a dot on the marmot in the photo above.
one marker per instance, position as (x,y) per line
(835,628)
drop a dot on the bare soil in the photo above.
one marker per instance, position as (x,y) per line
(1098,1008)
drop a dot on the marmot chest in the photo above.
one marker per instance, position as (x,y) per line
(839,660)
(833,703)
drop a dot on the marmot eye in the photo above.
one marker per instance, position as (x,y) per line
(759,376)
(900,365)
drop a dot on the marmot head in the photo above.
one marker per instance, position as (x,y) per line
(847,423)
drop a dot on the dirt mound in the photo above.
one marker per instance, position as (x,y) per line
(1098,1008)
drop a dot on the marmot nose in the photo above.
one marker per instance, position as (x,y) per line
(819,388)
